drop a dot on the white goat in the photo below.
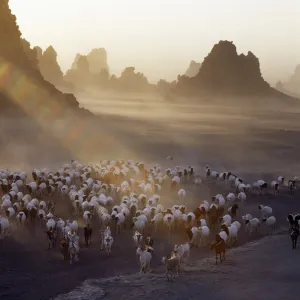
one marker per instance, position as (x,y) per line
(265,211)
(230,198)
(275,186)
(270,224)
(205,233)
(169,222)
(172,266)
(137,238)
(181,194)
(183,251)
(145,260)
(4,226)
(108,241)
(21,217)
(252,225)
(242,198)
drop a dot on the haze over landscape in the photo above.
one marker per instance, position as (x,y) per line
(142,141)
(160,38)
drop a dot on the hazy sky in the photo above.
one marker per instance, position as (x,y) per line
(160,37)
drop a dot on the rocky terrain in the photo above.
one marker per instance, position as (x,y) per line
(224,72)
(292,85)
(193,69)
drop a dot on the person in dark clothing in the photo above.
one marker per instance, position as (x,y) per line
(51,237)
(188,230)
(88,234)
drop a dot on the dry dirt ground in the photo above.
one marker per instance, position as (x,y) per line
(253,143)
(257,270)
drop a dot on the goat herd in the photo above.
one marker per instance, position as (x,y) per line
(127,194)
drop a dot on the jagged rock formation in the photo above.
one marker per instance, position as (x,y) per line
(74,64)
(49,66)
(130,81)
(89,70)
(16,59)
(36,119)
(79,74)
(39,53)
(291,86)
(31,54)
(11,47)
(280,86)
(102,77)
(193,69)
(166,89)
(97,60)
(224,71)
(83,65)
(92,70)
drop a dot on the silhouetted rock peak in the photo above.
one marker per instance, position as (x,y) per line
(49,66)
(12,48)
(295,78)
(79,74)
(74,64)
(130,80)
(224,70)
(291,86)
(193,69)
(97,59)
(31,54)
(22,62)
(81,63)
(39,52)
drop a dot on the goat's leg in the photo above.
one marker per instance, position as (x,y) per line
(179,269)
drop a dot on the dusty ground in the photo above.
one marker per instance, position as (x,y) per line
(248,273)
(253,143)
